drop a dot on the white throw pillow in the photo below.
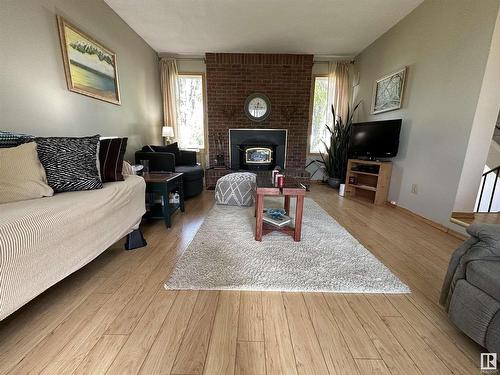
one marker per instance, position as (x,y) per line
(127,168)
(21,174)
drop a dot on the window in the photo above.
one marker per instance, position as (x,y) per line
(319,132)
(190,111)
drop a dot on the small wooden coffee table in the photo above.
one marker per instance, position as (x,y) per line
(163,184)
(292,188)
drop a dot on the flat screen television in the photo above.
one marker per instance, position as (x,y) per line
(375,139)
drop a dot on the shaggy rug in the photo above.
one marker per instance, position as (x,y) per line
(224,255)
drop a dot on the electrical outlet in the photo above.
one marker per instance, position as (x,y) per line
(414,189)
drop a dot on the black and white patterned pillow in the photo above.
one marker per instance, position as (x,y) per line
(10,139)
(70,162)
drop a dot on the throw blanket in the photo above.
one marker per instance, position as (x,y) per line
(44,240)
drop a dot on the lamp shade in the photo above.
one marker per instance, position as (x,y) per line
(167,131)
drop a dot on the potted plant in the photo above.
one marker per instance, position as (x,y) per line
(334,160)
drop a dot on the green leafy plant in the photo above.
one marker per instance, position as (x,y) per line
(334,160)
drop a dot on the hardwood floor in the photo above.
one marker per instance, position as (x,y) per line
(115,317)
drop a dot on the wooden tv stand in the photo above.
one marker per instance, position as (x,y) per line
(369,186)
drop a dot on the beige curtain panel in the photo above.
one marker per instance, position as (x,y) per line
(341,99)
(331,95)
(168,77)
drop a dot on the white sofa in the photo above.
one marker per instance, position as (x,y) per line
(44,240)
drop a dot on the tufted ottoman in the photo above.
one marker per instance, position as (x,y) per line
(236,189)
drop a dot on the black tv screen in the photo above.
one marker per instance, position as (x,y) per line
(376,139)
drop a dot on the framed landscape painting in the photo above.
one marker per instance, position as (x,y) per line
(90,67)
(388,92)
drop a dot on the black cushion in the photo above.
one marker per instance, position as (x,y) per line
(158,161)
(70,163)
(172,148)
(187,157)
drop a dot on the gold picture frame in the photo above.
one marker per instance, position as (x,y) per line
(89,67)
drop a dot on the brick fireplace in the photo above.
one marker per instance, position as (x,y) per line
(285,79)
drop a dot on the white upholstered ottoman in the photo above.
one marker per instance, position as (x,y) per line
(236,189)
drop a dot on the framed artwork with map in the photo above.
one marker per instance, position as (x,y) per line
(89,66)
(388,92)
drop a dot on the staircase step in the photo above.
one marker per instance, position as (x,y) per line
(465,219)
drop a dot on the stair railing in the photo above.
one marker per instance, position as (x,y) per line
(496,171)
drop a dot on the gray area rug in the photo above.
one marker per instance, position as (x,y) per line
(224,256)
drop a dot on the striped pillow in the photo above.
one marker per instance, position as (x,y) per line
(70,163)
(111,153)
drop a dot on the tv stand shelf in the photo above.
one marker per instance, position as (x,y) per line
(371,186)
(365,173)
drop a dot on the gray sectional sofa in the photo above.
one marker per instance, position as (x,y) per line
(471,290)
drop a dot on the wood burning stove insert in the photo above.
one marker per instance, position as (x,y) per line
(257,149)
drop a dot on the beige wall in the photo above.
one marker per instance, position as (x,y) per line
(445,44)
(33,94)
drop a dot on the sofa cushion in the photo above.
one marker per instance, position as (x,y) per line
(472,310)
(71,163)
(485,275)
(492,340)
(22,176)
(191,172)
(111,153)
(187,157)
(172,148)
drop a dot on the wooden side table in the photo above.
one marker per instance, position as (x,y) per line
(163,184)
(291,189)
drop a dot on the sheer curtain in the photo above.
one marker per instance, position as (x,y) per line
(168,79)
(341,97)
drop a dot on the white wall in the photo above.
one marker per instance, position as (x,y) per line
(493,159)
(34,98)
(191,65)
(483,127)
(445,45)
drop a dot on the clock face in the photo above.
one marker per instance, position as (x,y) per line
(257,107)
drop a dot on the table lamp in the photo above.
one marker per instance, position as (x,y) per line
(167,132)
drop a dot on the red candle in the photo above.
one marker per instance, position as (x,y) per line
(273,174)
(281,180)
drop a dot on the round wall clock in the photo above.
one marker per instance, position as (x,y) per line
(257,107)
